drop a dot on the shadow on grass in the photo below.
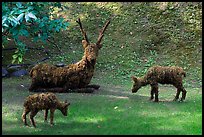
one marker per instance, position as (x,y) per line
(121,93)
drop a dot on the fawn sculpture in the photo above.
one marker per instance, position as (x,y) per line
(73,77)
(164,75)
(44,101)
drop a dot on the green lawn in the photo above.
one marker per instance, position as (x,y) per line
(113,109)
(139,36)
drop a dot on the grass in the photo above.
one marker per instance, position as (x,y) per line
(134,41)
(111,110)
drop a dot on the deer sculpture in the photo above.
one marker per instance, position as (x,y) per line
(73,77)
(164,75)
(44,101)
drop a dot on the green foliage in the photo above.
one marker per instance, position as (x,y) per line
(29,19)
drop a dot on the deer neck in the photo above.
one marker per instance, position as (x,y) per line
(85,64)
(60,105)
(143,81)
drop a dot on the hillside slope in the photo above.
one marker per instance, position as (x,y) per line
(140,35)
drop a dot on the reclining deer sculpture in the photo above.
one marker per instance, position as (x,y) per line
(73,77)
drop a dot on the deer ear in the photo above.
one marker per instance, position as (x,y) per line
(134,78)
(84,43)
(66,103)
(99,46)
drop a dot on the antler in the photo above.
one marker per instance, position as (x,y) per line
(82,30)
(101,32)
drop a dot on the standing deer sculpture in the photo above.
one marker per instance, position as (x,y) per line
(73,77)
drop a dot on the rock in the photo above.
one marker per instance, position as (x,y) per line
(60,65)
(12,69)
(19,73)
(4,72)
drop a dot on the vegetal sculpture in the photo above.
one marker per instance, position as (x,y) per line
(73,77)
(44,101)
(163,75)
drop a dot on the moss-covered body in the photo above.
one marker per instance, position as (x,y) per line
(69,77)
(73,76)
(44,101)
(163,75)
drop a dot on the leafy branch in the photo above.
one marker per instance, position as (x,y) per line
(29,19)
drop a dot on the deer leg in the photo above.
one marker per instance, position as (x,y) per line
(32,114)
(93,86)
(152,93)
(52,116)
(179,89)
(156,92)
(25,112)
(32,87)
(45,114)
(35,88)
(177,94)
(183,94)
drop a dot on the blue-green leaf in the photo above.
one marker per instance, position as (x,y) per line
(20,17)
(57,28)
(27,17)
(4,18)
(19,5)
(5,25)
(31,15)
(15,32)
(14,21)
(24,32)
(41,24)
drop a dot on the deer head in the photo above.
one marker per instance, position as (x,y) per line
(136,85)
(91,49)
(64,107)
